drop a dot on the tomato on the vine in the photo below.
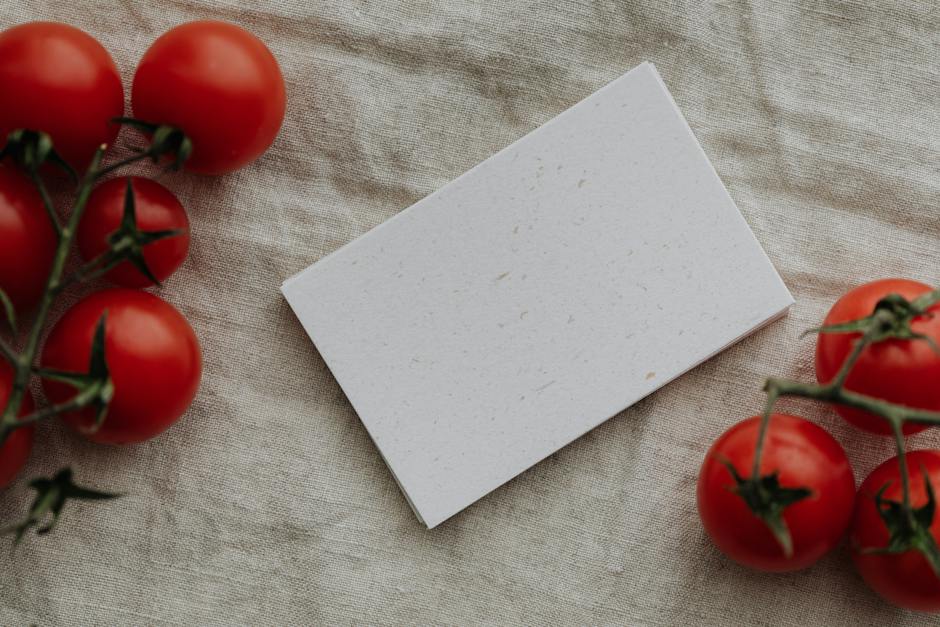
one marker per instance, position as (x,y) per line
(15,451)
(803,455)
(156,208)
(27,240)
(152,354)
(904,372)
(58,79)
(219,84)
(905,579)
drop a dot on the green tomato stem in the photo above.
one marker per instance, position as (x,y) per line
(79,401)
(840,396)
(897,428)
(23,362)
(776,388)
(46,201)
(762,432)
(120,164)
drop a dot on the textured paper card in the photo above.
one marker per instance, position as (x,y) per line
(539,294)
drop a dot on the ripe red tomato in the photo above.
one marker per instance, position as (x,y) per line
(900,371)
(15,451)
(151,351)
(157,209)
(804,455)
(904,579)
(27,240)
(218,83)
(59,79)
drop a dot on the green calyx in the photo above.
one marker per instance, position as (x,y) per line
(909,528)
(94,388)
(51,496)
(31,149)
(126,244)
(767,500)
(165,140)
(891,319)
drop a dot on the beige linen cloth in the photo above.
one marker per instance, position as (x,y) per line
(268,504)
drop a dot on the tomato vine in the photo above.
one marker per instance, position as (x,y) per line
(33,152)
(890,320)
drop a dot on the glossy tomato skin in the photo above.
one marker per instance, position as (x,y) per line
(152,354)
(59,79)
(904,579)
(15,451)
(157,209)
(804,455)
(27,240)
(900,371)
(218,83)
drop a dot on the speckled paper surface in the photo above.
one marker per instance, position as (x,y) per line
(549,288)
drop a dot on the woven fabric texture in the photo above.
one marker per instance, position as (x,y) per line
(268,504)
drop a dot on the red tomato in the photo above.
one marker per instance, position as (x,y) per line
(58,79)
(804,455)
(151,351)
(157,209)
(904,579)
(27,240)
(900,371)
(219,84)
(15,451)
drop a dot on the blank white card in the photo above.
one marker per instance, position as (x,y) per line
(539,294)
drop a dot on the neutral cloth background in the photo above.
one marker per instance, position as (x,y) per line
(268,504)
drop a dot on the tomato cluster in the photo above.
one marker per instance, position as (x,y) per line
(213,82)
(799,454)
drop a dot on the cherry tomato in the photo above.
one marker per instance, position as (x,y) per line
(219,84)
(27,240)
(900,371)
(904,579)
(156,208)
(15,451)
(152,354)
(59,79)
(804,455)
